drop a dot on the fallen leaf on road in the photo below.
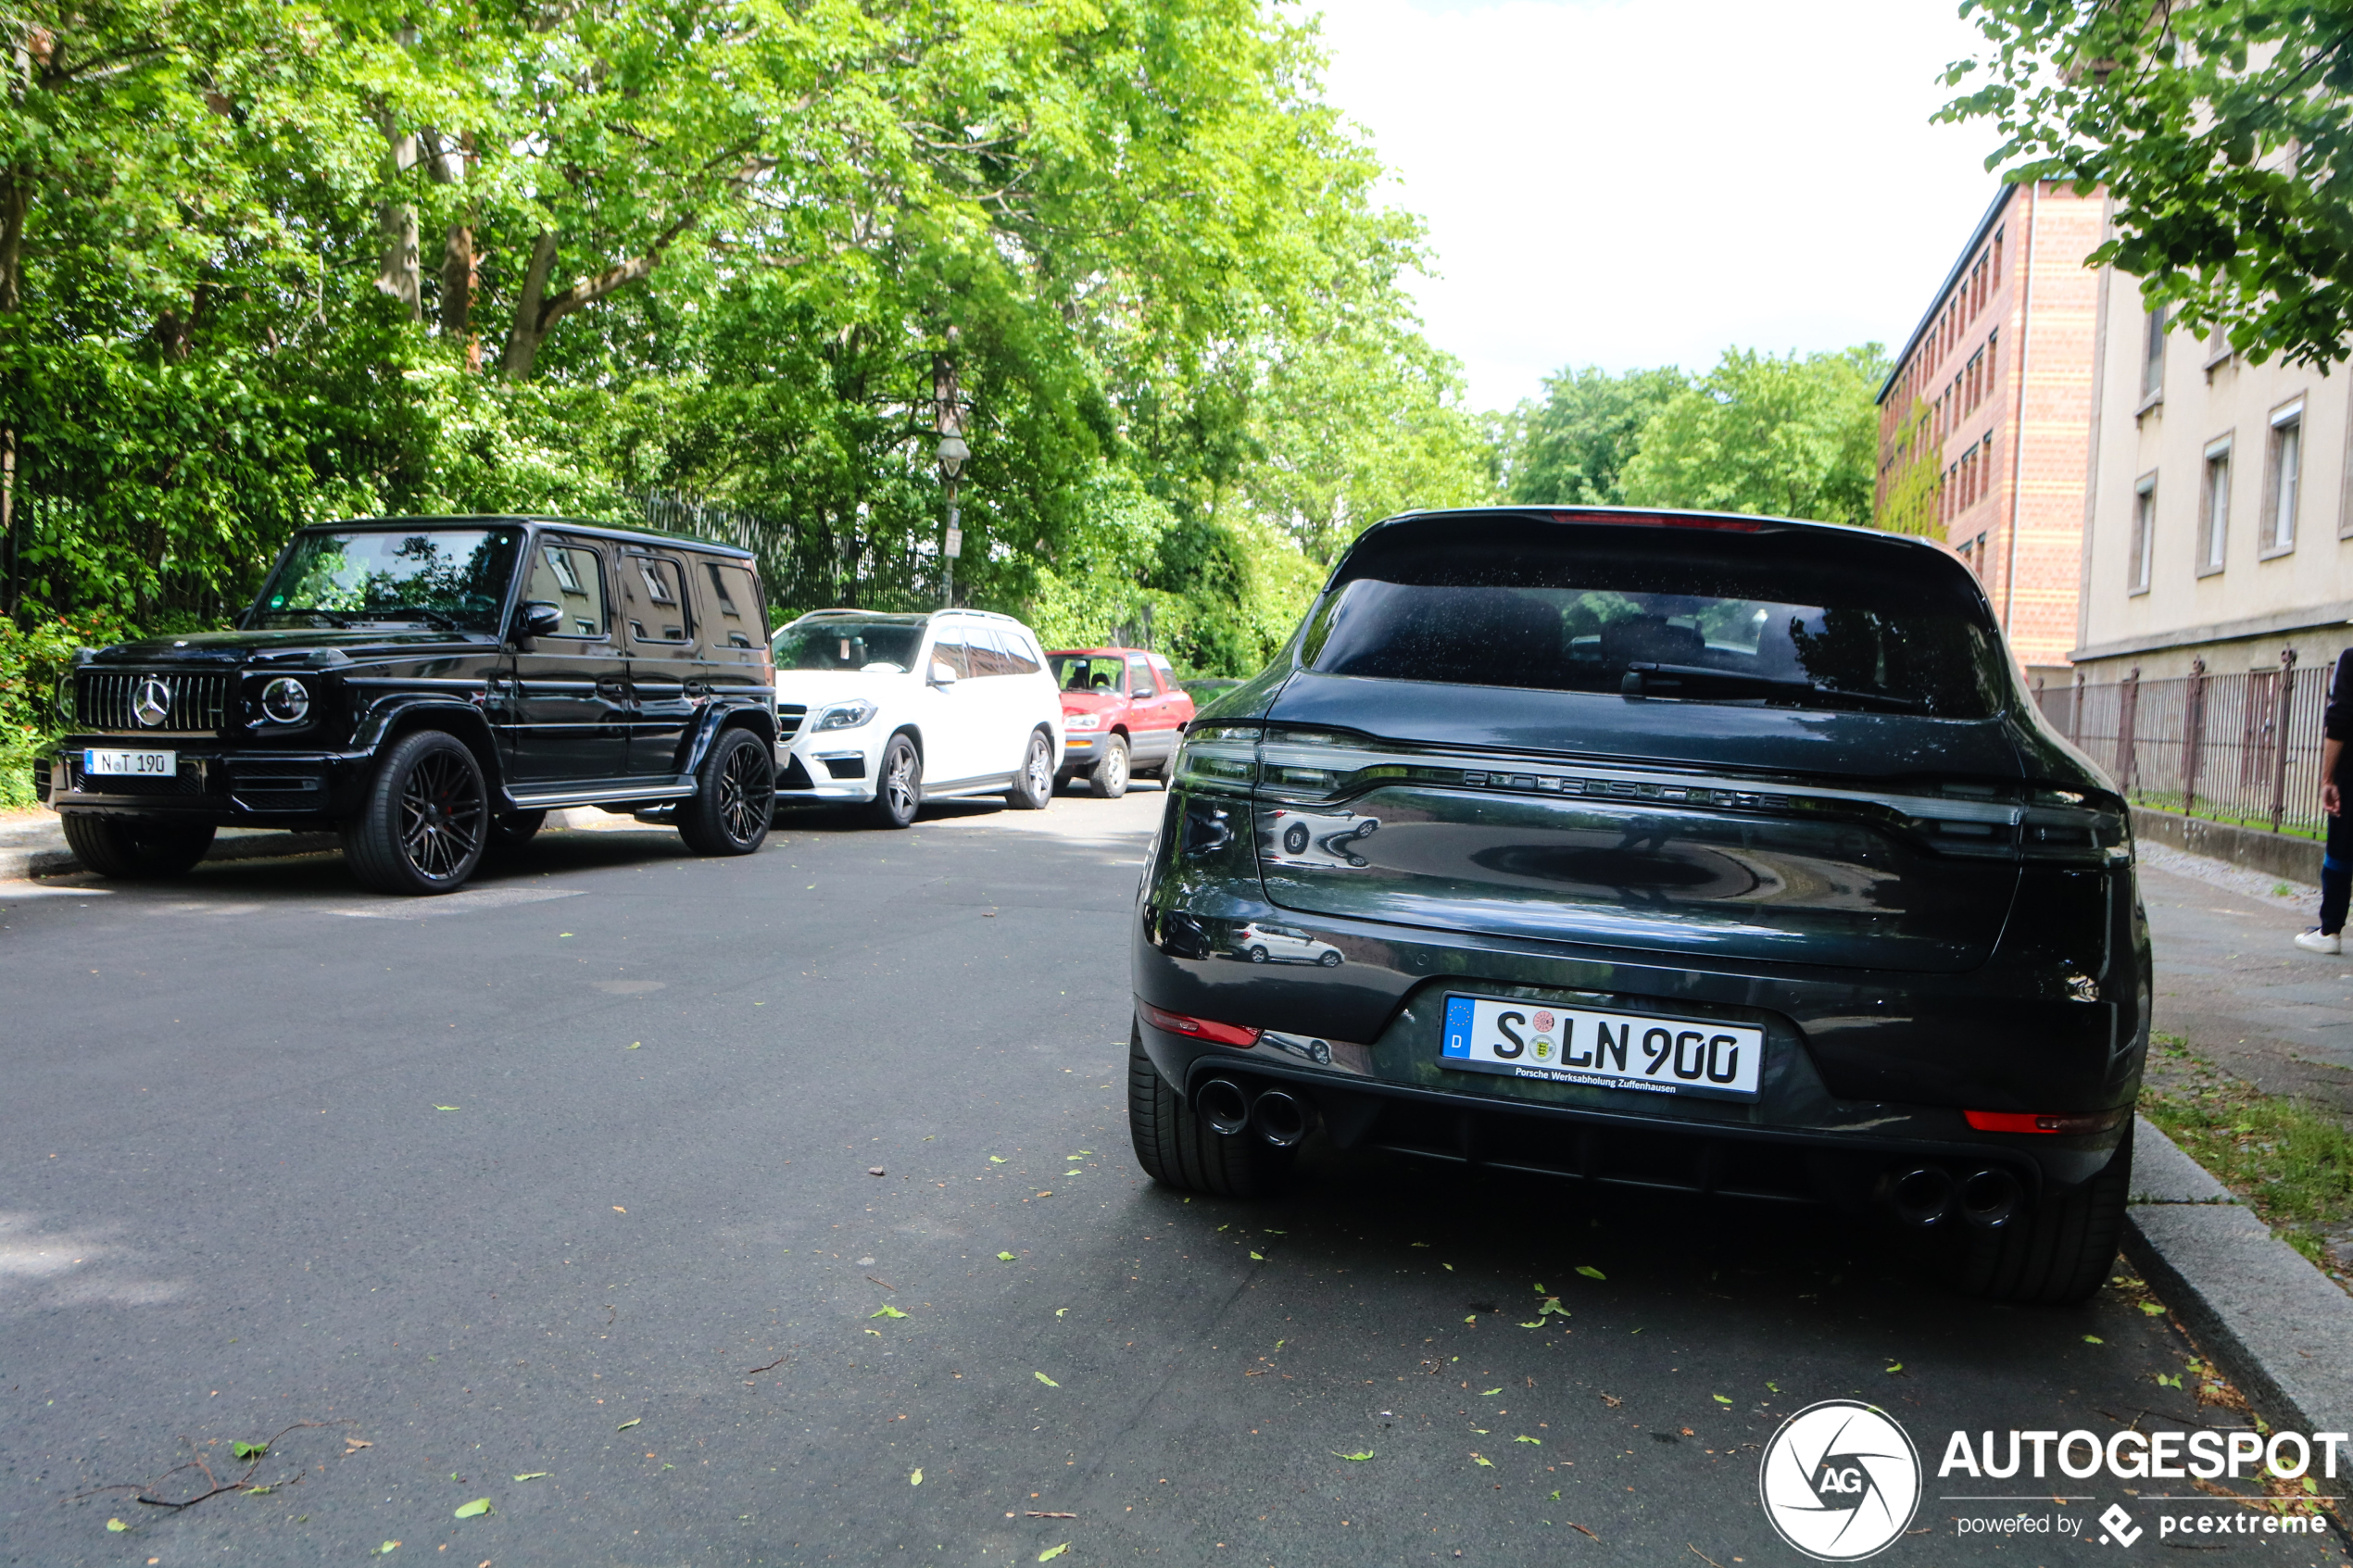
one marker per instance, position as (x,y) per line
(1538,1324)
(1060,1310)
(633,1045)
(1473,1318)
(1258,1257)
(875,1332)
(1053,1551)
(1036,1513)
(1483,1460)
(2172,1381)
(619,1210)
(887,1310)
(2152,1309)
(1448,1267)
(1590,1535)
(1048,1193)
(1047,1381)
(533,1476)
(473,1509)
(996,1160)
(1418,1244)
(917,1478)
(1491,1393)
(1891,1366)
(248,1451)
(359,1443)
(1590,1271)
(1719,1399)
(875,1171)
(1004,1257)
(1612,1400)
(444,1107)
(390,1547)
(1355,1459)
(2094,1339)
(1537,1441)
(630,1422)
(117,1525)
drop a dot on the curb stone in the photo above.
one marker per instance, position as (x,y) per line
(2281,1329)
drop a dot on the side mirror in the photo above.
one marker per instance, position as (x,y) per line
(539,618)
(942,673)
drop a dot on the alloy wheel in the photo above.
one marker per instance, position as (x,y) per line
(747,793)
(899,781)
(442,813)
(1041,768)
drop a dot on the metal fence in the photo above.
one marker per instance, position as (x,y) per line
(2242,748)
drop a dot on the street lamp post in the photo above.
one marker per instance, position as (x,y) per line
(951,454)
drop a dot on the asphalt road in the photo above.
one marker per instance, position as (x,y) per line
(570,1176)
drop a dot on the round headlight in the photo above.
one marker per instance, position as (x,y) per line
(286,700)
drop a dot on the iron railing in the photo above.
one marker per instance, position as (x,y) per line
(2243,747)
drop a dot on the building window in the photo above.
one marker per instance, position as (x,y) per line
(2144,536)
(2282,472)
(2153,355)
(2214,509)
(1998,250)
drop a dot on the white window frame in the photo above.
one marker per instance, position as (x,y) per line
(2144,547)
(2214,520)
(2282,464)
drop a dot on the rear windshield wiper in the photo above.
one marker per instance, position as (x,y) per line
(1659,679)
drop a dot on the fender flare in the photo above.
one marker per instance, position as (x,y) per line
(716,717)
(399,713)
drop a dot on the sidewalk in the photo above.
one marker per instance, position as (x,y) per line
(2230,982)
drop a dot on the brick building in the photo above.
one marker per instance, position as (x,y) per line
(1985,422)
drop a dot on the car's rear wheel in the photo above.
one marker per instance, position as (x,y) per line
(2058,1252)
(735,796)
(1258,954)
(1176,1147)
(129,848)
(1033,786)
(425,820)
(1109,781)
(899,785)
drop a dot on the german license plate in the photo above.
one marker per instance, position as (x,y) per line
(132,764)
(1611,1050)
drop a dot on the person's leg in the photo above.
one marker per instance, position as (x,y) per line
(2336,872)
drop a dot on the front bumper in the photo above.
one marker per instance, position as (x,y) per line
(1082,749)
(215,782)
(838,765)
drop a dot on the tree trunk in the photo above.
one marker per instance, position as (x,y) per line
(16,199)
(401,271)
(461,275)
(531,324)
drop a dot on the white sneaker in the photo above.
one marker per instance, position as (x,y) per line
(2319,941)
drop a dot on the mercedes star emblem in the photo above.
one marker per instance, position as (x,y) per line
(152,705)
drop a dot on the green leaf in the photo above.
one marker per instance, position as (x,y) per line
(1538,1324)
(2094,1339)
(533,1476)
(1483,1462)
(1044,1379)
(630,1422)
(1053,1551)
(473,1509)
(1892,1366)
(2170,1380)
(1004,1257)
(445,1108)
(1537,1441)
(1258,1257)
(390,1547)
(885,1310)
(1353,1459)
(1719,1399)
(1590,1271)
(1473,1318)
(248,1451)
(996,1160)
(2152,1309)
(117,1525)
(1491,1393)
(917,1478)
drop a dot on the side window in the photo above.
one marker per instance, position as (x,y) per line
(571,576)
(1140,676)
(1168,676)
(1021,652)
(987,656)
(949,650)
(735,602)
(660,594)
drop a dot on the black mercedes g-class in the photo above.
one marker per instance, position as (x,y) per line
(431,688)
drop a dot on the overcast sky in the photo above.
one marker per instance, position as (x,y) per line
(1626,182)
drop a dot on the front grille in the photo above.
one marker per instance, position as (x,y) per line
(108,701)
(189,779)
(788,718)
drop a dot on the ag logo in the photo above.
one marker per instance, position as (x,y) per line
(1840,1481)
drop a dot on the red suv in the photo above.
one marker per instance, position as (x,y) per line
(1121,714)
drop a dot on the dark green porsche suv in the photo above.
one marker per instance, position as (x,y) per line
(1715,853)
(431,688)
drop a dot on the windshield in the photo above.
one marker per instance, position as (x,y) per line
(888,647)
(1767,620)
(1090,671)
(454,578)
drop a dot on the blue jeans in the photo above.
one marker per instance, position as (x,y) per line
(2337,872)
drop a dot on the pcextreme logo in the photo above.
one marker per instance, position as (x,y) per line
(1840,1481)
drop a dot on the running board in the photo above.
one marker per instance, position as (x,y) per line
(559,800)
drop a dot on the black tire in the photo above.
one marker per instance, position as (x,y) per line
(1258,954)
(1033,786)
(899,785)
(134,848)
(1329,960)
(425,818)
(2058,1252)
(735,796)
(1177,1147)
(1109,780)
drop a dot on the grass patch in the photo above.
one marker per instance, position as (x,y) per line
(2291,1161)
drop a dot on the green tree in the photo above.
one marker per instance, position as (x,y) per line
(1781,436)
(1571,448)
(1914,479)
(2221,131)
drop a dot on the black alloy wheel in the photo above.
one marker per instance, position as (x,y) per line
(129,848)
(735,797)
(426,820)
(1109,781)
(898,787)
(1033,786)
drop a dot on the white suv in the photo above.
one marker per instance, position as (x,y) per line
(889,710)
